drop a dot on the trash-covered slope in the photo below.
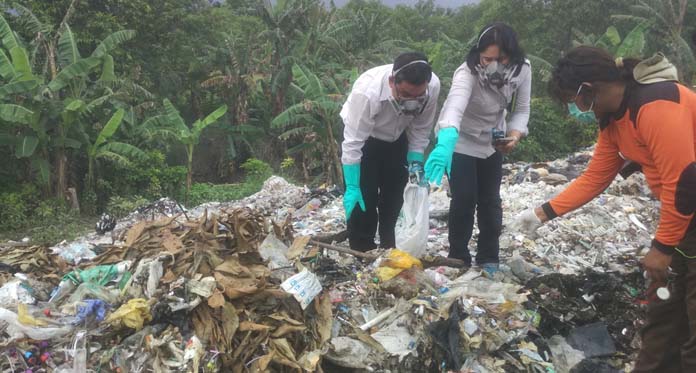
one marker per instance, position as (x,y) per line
(257,285)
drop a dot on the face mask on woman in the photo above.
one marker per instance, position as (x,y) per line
(583,116)
(493,74)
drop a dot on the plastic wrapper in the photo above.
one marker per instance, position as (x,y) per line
(16,330)
(304,286)
(395,262)
(100,275)
(91,291)
(26,318)
(13,292)
(76,252)
(132,314)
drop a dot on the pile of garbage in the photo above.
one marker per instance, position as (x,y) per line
(263,284)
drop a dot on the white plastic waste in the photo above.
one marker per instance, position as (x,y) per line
(304,286)
(414,221)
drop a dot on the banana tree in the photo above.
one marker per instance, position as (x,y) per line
(631,45)
(104,148)
(172,125)
(64,88)
(667,20)
(314,119)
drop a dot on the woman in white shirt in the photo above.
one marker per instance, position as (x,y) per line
(473,135)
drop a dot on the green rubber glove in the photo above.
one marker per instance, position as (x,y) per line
(353,195)
(440,159)
(415,157)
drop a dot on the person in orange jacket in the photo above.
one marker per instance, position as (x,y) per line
(646,117)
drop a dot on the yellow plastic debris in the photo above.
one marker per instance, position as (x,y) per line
(132,314)
(401,259)
(396,262)
(27,319)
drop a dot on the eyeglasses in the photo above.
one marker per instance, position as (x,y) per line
(422,98)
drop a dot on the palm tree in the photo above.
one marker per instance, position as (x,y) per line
(286,22)
(630,46)
(666,19)
(315,119)
(172,125)
(59,95)
(104,148)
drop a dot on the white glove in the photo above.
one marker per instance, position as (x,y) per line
(527,222)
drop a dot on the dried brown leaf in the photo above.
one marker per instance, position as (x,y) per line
(298,246)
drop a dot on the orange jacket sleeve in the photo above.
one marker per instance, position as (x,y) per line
(603,168)
(667,130)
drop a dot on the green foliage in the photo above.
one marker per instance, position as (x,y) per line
(120,207)
(150,177)
(79,79)
(206,192)
(13,211)
(630,46)
(287,163)
(257,169)
(552,134)
(23,208)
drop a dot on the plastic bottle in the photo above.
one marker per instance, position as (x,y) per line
(64,289)
(312,205)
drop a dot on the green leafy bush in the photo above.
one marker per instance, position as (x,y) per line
(552,134)
(205,192)
(13,211)
(148,180)
(47,221)
(151,178)
(257,168)
(17,205)
(119,206)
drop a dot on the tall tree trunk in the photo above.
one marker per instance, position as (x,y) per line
(333,150)
(90,174)
(61,173)
(305,171)
(61,158)
(189,174)
(61,161)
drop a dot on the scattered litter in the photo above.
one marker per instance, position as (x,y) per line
(593,339)
(237,286)
(304,286)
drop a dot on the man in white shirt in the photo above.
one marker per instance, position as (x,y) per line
(388,117)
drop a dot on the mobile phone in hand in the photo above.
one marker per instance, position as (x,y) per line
(504,140)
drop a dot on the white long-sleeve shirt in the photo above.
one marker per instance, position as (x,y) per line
(475,109)
(368,113)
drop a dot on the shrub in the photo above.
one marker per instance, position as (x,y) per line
(151,178)
(205,192)
(257,168)
(13,211)
(17,205)
(120,207)
(552,134)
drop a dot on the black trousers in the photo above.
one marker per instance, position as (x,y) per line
(475,187)
(669,336)
(383,177)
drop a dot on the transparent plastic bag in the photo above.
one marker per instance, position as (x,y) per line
(15,329)
(414,221)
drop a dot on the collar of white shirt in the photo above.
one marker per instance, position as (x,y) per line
(386,93)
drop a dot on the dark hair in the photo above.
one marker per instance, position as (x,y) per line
(504,37)
(417,73)
(588,64)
